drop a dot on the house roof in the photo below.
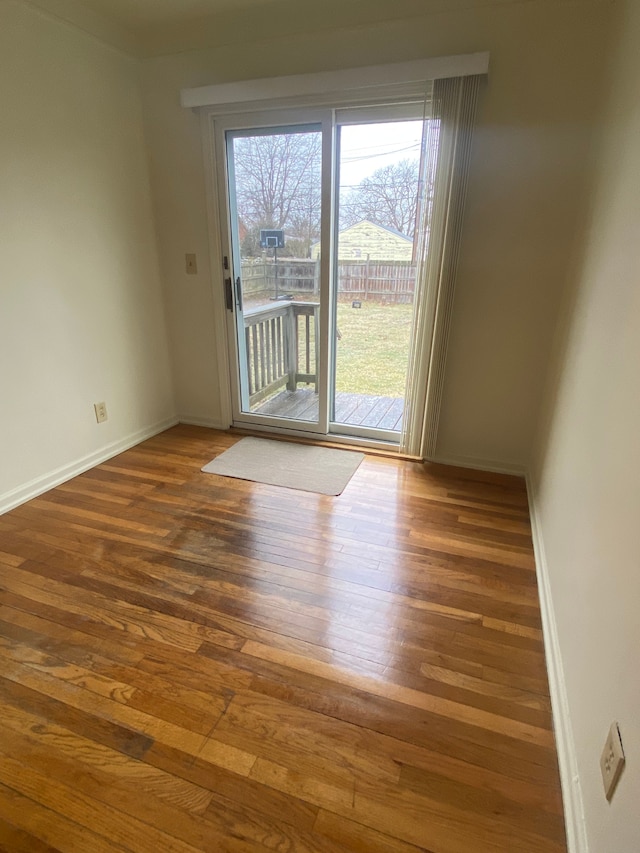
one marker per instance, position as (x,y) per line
(375,225)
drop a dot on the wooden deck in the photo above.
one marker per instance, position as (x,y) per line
(195,663)
(351,409)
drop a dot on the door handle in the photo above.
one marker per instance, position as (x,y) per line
(239,294)
(228,294)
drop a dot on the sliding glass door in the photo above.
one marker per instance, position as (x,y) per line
(277,211)
(275,216)
(320,220)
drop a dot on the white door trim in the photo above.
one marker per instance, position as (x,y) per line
(214,234)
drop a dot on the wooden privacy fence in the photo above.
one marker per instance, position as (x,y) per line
(266,279)
(379,281)
(281,342)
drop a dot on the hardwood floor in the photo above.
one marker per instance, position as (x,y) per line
(195,663)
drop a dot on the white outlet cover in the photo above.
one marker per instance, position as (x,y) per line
(612,760)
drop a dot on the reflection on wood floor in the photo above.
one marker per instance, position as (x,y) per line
(351,409)
(195,663)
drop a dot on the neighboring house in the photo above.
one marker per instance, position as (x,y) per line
(365,240)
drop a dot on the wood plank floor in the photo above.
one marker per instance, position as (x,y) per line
(195,663)
(351,409)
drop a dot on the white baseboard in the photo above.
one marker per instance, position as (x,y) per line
(202,422)
(567,760)
(481,464)
(22,494)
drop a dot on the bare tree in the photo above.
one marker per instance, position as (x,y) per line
(389,197)
(278,185)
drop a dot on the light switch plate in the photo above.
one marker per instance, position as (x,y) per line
(190,264)
(612,760)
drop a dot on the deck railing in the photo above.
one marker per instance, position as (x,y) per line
(281,341)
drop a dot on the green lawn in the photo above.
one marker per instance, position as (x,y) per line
(373,351)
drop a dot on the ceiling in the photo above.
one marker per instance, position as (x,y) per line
(156,27)
(139,14)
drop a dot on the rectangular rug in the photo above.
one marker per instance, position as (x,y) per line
(284,463)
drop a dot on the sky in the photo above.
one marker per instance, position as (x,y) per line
(367,147)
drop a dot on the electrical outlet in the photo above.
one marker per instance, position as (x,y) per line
(101,412)
(612,760)
(190,264)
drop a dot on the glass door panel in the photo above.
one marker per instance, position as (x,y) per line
(378,198)
(275,213)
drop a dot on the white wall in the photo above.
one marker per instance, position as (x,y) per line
(81,312)
(587,477)
(530,177)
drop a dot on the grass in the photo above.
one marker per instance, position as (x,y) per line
(372,354)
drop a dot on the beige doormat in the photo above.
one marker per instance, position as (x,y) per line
(283,463)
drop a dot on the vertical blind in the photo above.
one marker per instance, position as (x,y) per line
(444,175)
